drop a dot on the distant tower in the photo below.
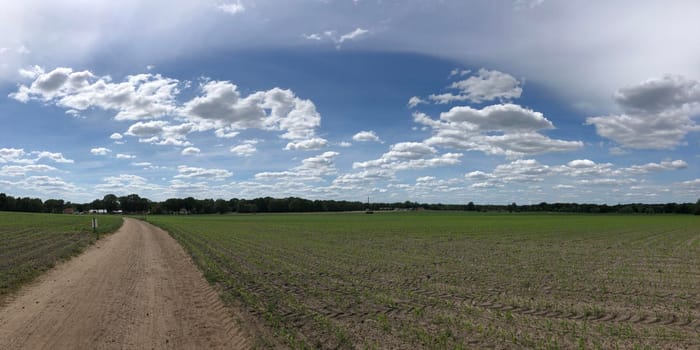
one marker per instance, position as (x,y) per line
(368,210)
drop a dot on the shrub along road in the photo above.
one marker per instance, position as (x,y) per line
(134,289)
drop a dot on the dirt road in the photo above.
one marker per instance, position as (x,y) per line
(136,289)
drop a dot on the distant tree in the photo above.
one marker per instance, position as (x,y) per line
(133,203)
(110,203)
(97,204)
(54,205)
(512,207)
(697,208)
(221,206)
(471,206)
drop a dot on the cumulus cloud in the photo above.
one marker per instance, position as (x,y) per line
(410,155)
(581,171)
(141,96)
(47,185)
(52,156)
(244,150)
(486,85)
(23,170)
(366,136)
(160,132)
(100,151)
(19,156)
(186,172)
(190,151)
(414,101)
(125,156)
(221,107)
(307,145)
(12,155)
(657,114)
(503,129)
(663,166)
(312,169)
(124,184)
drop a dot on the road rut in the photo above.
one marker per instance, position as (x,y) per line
(135,289)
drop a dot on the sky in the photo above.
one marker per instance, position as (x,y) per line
(418,100)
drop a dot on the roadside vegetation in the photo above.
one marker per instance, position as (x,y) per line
(454,280)
(32,243)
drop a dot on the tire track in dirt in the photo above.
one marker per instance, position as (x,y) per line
(134,289)
(601,316)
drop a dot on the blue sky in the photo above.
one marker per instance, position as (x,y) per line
(449,101)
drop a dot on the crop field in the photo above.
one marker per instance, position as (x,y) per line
(454,280)
(32,243)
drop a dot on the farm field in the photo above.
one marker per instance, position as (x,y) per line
(32,243)
(453,280)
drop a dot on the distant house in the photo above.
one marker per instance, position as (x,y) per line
(183,211)
(98,211)
(69,211)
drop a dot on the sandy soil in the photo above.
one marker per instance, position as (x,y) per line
(135,289)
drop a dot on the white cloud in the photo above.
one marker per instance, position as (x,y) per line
(141,96)
(116,136)
(47,185)
(415,101)
(190,151)
(357,33)
(665,165)
(11,155)
(581,171)
(125,156)
(53,156)
(478,130)
(330,35)
(487,85)
(22,170)
(19,156)
(221,107)
(366,136)
(656,114)
(160,132)
(100,151)
(232,8)
(691,183)
(124,184)
(244,150)
(186,172)
(410,155)
(307,145)
(345,144)
(312,169)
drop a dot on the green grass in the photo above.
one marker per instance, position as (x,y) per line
(32,243)
(454,280)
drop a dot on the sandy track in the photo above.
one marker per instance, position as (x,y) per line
(136,289)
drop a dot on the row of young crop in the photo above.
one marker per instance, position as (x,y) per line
(451,281)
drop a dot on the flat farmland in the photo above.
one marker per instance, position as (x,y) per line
(32,243)
(453,280)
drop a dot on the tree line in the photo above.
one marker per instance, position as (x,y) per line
(135,204)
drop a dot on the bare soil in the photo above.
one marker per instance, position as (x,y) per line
(134,289)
